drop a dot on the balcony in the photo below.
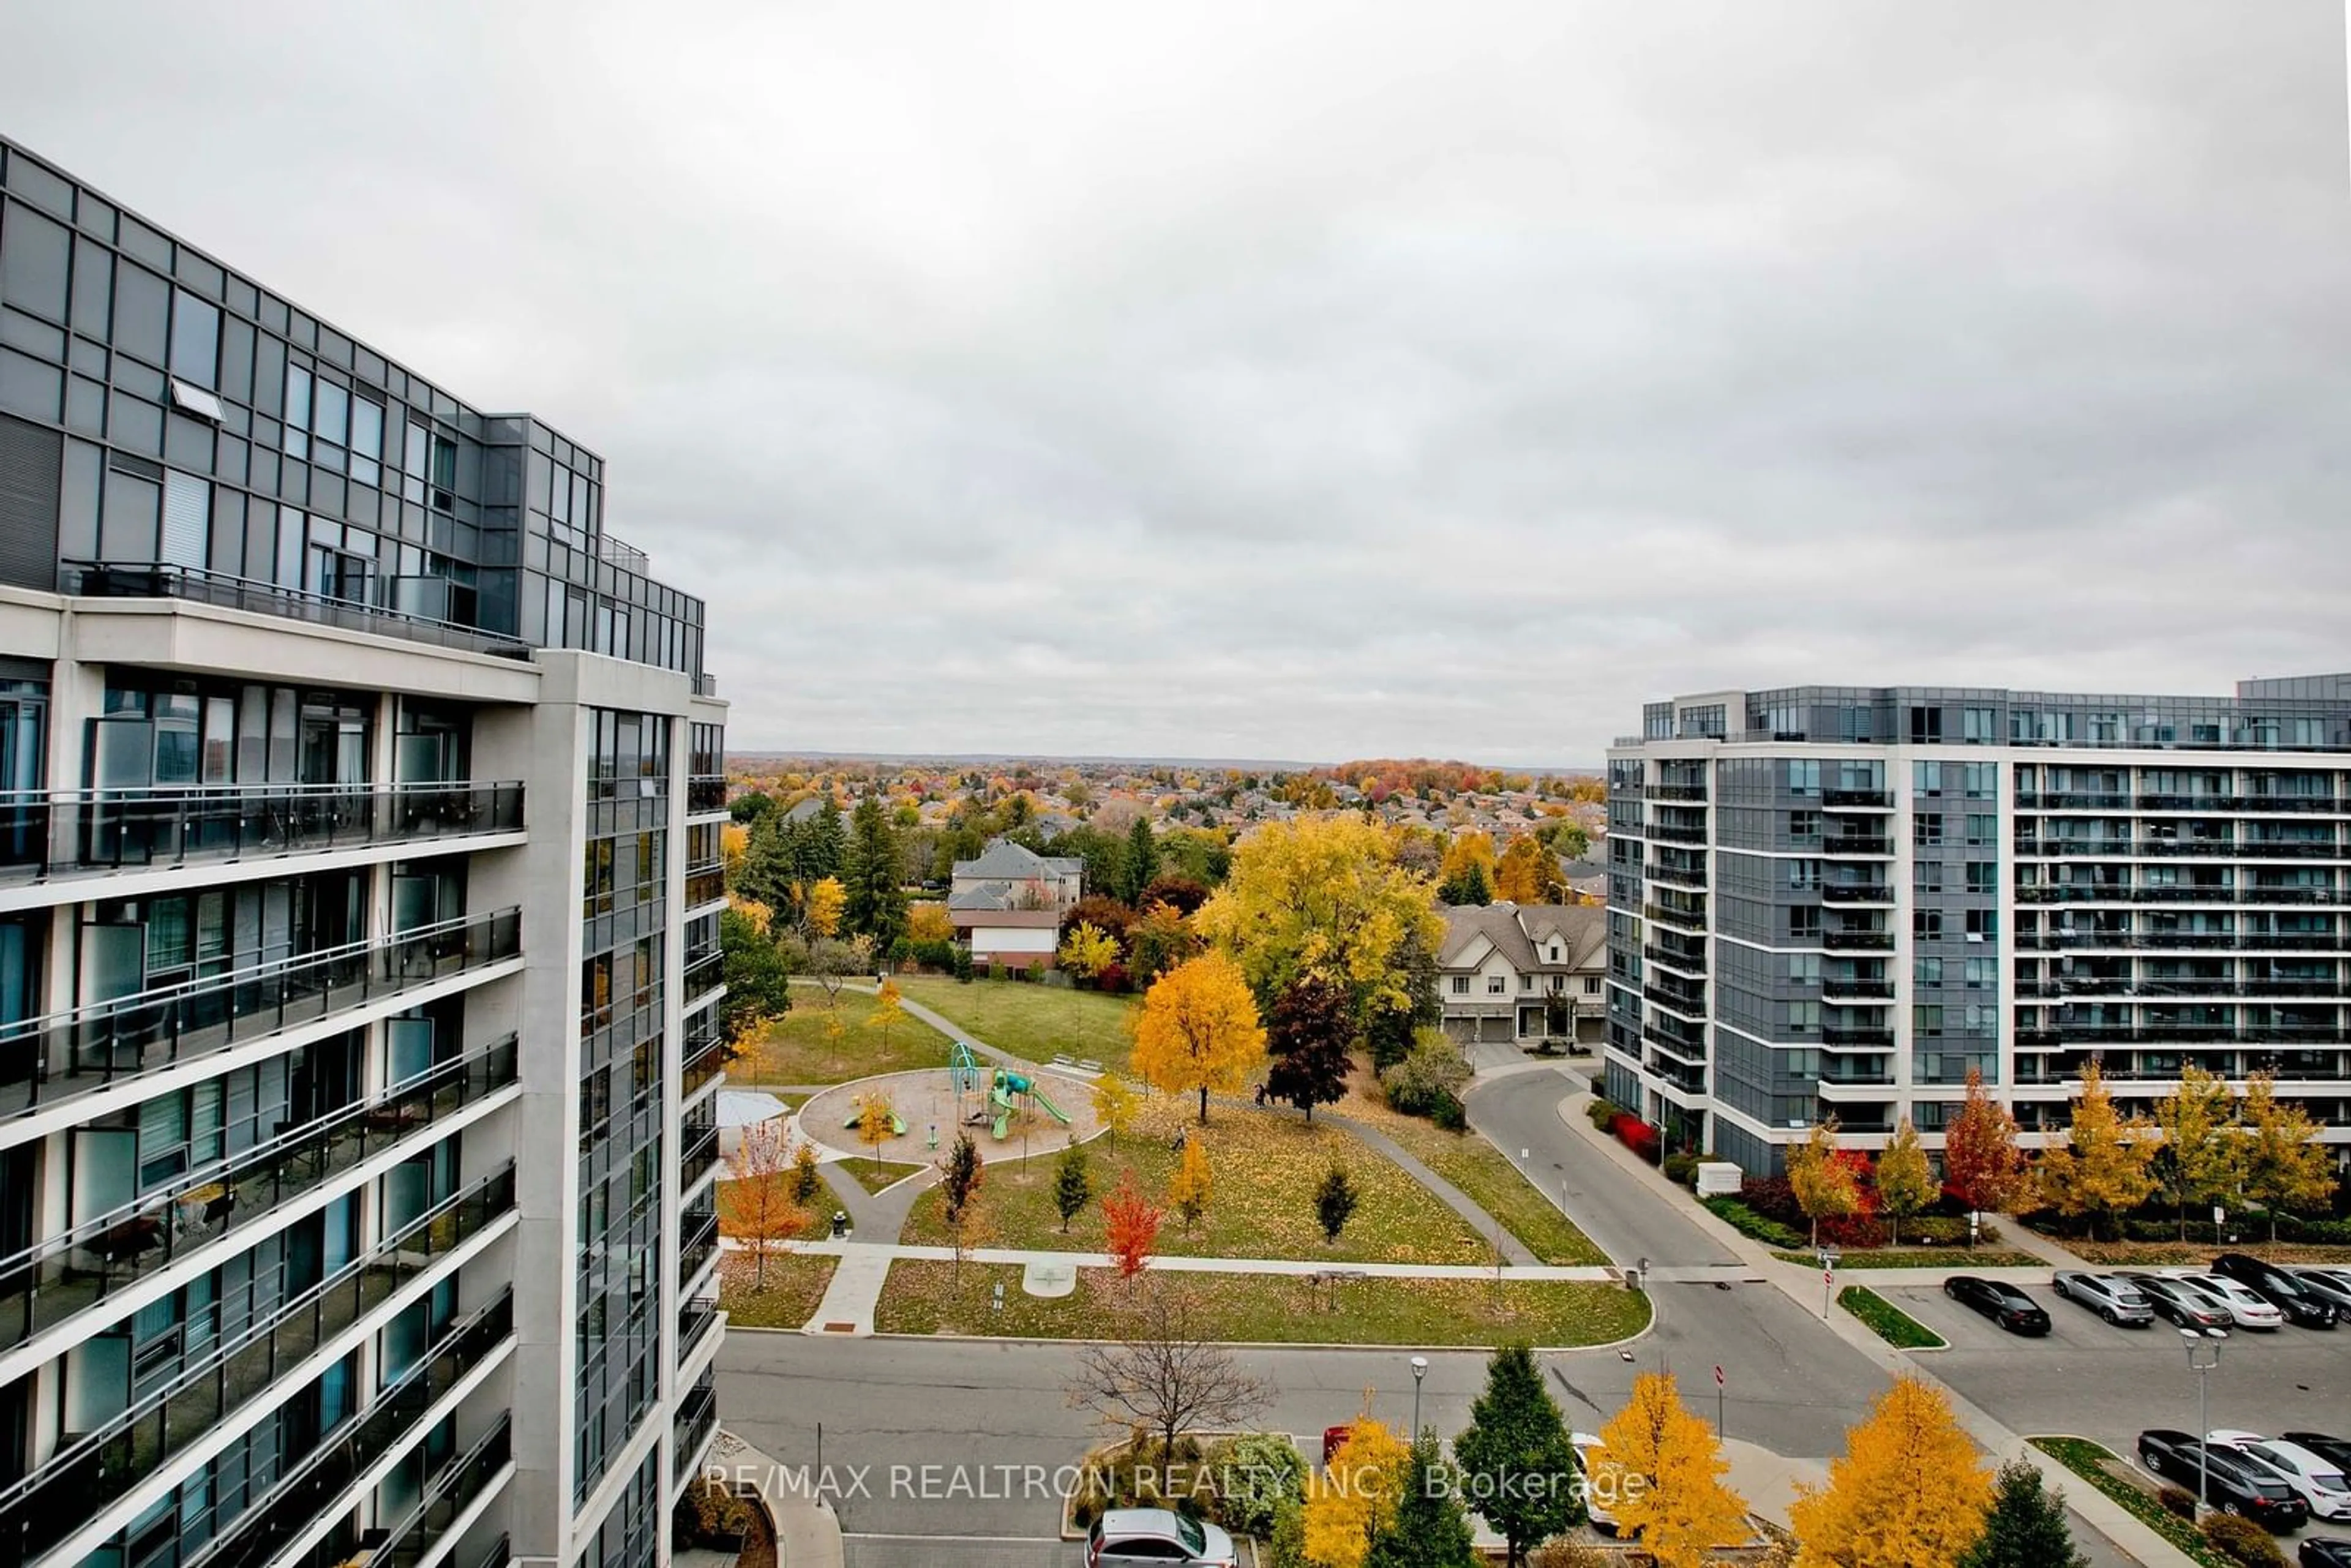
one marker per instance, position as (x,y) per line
(1659,833)
(1690,1049)
(68,1273)
(1835,987)
(704,793)
(1681,998)
(705,1059)
(1846,799)
(45,1061)
(2287,849)
(49,834)
(2293,896)
(95,1470)
(1689,1079)
(1850,845)
(452,1490)
(1857,1038)
(697,1153)
(695,1320)
(1692,919)
(1856,893)
(703,976)
(1684,959)
(2048,848)
(1675,793)
(2071,800)
(697,1244)
(1865,1078)
(1680,877)
(697,1415)
(705,886)
(1857,941)
(318,1482)
(198,586)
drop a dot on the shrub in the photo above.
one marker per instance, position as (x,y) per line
(1254,1475)
(2241,1541)
(2178,1500)
(1113,978)
(1640,1137)
(1682,1169)
(1566,1553)
(1747,1222)
(1111,1480)
(1862,1231)
(1428,1082)
(1773,1199)
(961,964)
(901,949)
(1603,1115)
(712,1514)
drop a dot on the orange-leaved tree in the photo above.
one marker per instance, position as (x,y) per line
(756,1207)
(877,1119)
(1983,1167)
(1910,1488)
(1529,873)
(1198,1030)
(2106,1167)
(1659,1474)
(1825,1185)
(1130,1227)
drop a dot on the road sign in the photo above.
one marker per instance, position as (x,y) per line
(1718,1377)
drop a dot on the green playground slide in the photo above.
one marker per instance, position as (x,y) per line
(1049,1107)
(898,1124)
(1003,1103)
(1002,1126)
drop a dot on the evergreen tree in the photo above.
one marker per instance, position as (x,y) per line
(1142,861)
(757,982)
(877,900)
(1335,1200)
(1468,884)
(1431,1529)
(1307,1035)
(766,875)
(1073,1186)
(2026,1527)
(1516,1456)
(824,850)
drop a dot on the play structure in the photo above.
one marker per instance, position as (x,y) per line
(897,1123)
(1008,1093)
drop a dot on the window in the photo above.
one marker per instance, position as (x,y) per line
(1591,985)
(1497,985)
(1982,1017)
(1803,1017)
(1804,874)
(367,441)
(1982,877)
(1926,876)
(1804,827)
(297,412)
(1926,828)
(195,340)
(1926,971)
(1927,924)
(1927,1021)
(1979,726)
(1983,924)
(1804,922)
(1980,779)
(1982,827)
(1803,969)
(1805,778)
(1526,982)
(1927,778)
(1981,972)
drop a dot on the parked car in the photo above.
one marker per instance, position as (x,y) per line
(2004,1303)
(2324,1552)
(2297,1301)
(1155,1538)
(2336,1451)
(2330,1285)
(2245,1305)
(1586,1445)
(2182,1302)
(2110,1296)
(2315,1479)
(2232,1483)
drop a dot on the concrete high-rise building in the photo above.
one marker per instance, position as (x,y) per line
(360,879)
(1830,900)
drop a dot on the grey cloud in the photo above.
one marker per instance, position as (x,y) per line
(1327,380)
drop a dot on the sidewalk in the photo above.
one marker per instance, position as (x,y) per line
(1801,1283)
(807,1533)
(1459,1202)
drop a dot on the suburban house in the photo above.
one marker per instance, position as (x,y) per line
(1527,975)
(1007,904)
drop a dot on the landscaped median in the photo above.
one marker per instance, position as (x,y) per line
(926,1297)
(1945,1257)
(2101,1467)
(1888,1322)
(793,1283)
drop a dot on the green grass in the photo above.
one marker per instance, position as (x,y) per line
(1747,1222)
(2089,1460)
(795,1282)
(1031,1020)
(796,1049)
(1488,1178)
(875,1174)
(922,1297)
(1264,1169)
(1918,1258)
(1888,1322)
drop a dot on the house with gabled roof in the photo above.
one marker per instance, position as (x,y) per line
(1527,975)
(1007,904)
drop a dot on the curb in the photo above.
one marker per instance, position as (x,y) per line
(1032,1342)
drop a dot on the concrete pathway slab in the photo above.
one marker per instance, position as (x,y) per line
(850,1299)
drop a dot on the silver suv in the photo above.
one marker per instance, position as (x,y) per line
(1155,1538)
(2116,1300)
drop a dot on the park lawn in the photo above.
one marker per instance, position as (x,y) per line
(1035,1021)
(1485,1175)
(795,1282)
(795,1048)
(875,1174)
(1265,1170)
(924,1297)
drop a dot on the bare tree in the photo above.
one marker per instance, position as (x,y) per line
(1164,1374)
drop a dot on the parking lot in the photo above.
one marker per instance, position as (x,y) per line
(2090,1379)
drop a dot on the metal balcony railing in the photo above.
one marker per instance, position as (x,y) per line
(697,1153)
(705,792)
(149,580)
(48,834)
(695,1320)
(698,1413)
(1853,893)
(447,1495)
(1857,941)
(704,974)
(46,1059)
(704,887)
(705,1059)
(67,1274)
(1835,986)
(1681,959)
(1847,798)
(697,1245)
(96,1468)
(255,1536)
(1850,845)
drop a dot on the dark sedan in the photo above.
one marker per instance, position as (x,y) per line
(2004,1304)
(2329,1284)
(2324,1552)
(2182,1302)
(2232,1483)
(2279,1287)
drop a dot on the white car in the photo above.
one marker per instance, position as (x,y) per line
(1586,1445)
(2245,1305)
(2313,1480)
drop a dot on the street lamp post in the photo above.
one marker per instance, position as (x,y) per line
(2203,1359)
(1419,1372)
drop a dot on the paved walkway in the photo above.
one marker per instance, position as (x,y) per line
(1459,1202)
(807,1533)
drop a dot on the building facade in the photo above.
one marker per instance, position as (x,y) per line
(1526,975)
(1007,904)
(1839,900)
(359,890)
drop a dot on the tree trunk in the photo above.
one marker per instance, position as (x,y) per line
(1204,1104)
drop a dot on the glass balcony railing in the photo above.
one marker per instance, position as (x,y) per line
(67,1274)
(447,1495)
(48,834)
(697,1244)
(149,580)
(46,1059)
(697,1153)
(705,1059)
(704,975)
(96,1468)
(695,1320)
(705,792)
(698,1413)
(397,1417)
(705,886)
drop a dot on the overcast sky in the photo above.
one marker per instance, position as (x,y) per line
(1323,380)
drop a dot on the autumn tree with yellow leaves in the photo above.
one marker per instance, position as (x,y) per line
(1910,1489)
(1529,873)
(1658,1473)
(1199,1030)
(2107,1165)
(1188,1189)
(889,1010)
(2285,1165)
(1825,1184)
(2200,1159)
(1350,1504)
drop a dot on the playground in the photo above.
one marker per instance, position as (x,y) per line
(1007,1111)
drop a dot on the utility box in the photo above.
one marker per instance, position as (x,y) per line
(1719,1179)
